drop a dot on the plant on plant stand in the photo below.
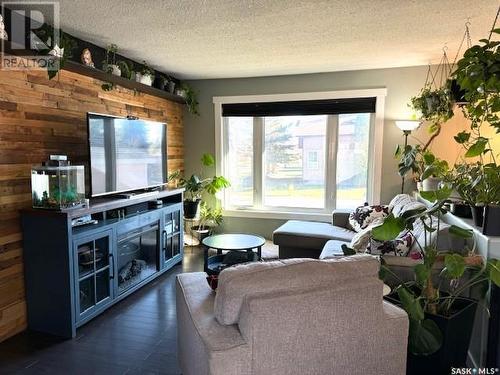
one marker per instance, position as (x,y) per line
(441,318)
(196,186)
(428,170)
(210,219)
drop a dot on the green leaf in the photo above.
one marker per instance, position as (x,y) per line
(389,229)
(397,152)
(477,148)
(422,274)
(207,160)
(428,157)
(454,265)
(437,195)
(462,137)
(425,337)
(494,271)
(460,232)
(410,304)
(431,170)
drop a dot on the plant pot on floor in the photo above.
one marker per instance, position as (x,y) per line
(191,208)
(457,332)
(431,184)
(491,224)
(478,215)
(201,232)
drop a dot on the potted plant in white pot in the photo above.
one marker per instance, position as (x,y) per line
(145,74)
(441,318)
(110,65)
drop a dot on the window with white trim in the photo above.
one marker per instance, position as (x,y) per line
(296,162)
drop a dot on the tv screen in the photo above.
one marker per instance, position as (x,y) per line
(125,154)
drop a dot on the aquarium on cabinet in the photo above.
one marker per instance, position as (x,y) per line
(58,187)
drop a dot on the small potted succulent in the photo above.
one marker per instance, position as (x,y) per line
(210,219)
(145,74)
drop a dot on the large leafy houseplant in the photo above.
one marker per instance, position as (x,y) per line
(422,163)
(427,295)
(196,186)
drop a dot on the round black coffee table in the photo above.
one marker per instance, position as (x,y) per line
(240,249)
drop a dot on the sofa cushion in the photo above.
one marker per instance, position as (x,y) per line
(363,216)
(309,234)
(235,283)
(399,247)
(333,249)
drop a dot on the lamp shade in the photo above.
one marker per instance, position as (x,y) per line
(407,125)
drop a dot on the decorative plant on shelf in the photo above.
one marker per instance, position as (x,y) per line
(127,69)
(191,98)
(109,65)
(432,298)
(62,53)
(145,74)
(196,186)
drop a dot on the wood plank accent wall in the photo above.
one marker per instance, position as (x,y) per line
(39,117)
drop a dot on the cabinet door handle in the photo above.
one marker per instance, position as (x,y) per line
(112,266)
(164,234)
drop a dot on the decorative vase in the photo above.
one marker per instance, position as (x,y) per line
(478,215)
(115,70)
(491,224)
(170,87)
(461,210)
(191,208)
(145,79)
(431,183)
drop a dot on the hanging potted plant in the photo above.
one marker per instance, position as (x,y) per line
(145,74)
(196,186)
(109,65)
(441,320)
(477,74)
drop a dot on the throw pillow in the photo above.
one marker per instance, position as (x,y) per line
(361,240)
(363,216)
(399,247)
(213,281)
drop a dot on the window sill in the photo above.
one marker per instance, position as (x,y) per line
(281,215)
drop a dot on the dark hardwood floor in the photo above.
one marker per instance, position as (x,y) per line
(136,336)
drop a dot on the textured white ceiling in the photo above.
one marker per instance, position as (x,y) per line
(243,38)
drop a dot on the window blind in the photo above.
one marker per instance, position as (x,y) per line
(300,107)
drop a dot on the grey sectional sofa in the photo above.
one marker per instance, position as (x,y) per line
(307,239)
(274,318)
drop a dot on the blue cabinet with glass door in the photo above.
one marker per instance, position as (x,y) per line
(74,274)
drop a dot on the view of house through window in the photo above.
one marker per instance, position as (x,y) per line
(313,162)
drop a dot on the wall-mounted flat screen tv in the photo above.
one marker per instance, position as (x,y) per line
(126,154)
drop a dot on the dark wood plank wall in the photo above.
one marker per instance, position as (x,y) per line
(39,117)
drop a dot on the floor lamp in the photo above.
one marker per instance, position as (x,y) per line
(407,126)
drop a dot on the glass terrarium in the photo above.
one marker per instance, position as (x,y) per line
(58,187)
